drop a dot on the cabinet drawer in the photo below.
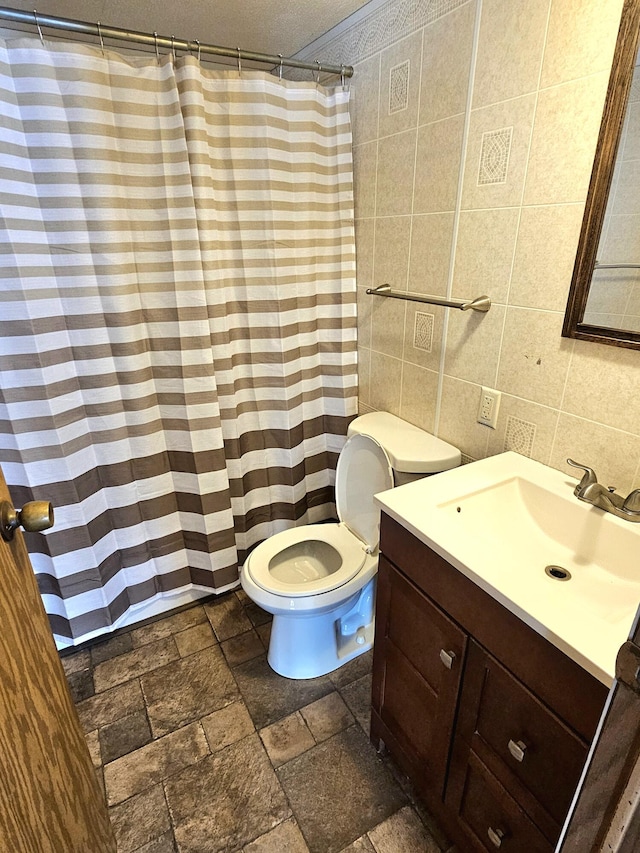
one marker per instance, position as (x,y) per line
(517,736)
(491,819)
(423,633)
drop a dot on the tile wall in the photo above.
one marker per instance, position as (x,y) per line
(475,126)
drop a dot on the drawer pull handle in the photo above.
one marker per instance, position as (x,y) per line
(447,658)
(495,836)
(517,749)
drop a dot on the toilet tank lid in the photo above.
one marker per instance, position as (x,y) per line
(409,448)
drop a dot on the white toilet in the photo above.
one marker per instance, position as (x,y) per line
(318,580)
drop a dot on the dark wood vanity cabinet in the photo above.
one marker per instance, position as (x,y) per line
(490,721)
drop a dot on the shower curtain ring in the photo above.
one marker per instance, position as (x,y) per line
(100,37)
(317,73)
(280,68)
(196,41)
(173,47)
(155,40)
(239,62)
(35,15)
(342,77)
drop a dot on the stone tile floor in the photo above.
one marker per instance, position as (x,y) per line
(201,748)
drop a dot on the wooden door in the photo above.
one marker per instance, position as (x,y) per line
(50,800)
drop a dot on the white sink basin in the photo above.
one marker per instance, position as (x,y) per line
(503,520)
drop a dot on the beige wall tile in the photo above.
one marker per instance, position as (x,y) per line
(612,453)
(419,395)
(385,383)
(525,427)
(603,385)
(458,423)
(430,258)
(365,306)
(510,50)
(516,114)
(396,160)
(364,377)
(365,162)
(399,84)
(365,91)
(580,39)
(545,255)
(446,61)
(473,345)
(534,358)
(391,253)
(364,251)
(438,165)
(484,253)
(387,326)
(420,356)
(564,138)
(521,254)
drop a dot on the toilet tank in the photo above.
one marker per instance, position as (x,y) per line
(413,453)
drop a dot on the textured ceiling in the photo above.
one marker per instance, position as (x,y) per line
(267,26)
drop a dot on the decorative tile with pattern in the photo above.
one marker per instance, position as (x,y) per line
(399,87)
(388,24)
(519,436)
(423,331)
(494,156)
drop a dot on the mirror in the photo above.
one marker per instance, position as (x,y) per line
(604,298)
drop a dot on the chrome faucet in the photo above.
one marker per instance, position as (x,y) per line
(594,493)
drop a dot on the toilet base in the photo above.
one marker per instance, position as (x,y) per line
(310,646)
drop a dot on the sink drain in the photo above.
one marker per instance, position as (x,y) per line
(558,573)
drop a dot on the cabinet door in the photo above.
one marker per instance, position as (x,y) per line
(535,756)
(417,669)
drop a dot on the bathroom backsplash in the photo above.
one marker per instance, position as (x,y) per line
(474,130)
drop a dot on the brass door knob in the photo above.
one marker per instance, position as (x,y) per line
(33,517)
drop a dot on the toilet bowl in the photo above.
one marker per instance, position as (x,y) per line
(318,580)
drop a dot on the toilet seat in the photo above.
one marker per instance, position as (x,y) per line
(349,550)
(317,558)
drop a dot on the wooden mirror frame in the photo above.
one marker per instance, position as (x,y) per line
(601,177)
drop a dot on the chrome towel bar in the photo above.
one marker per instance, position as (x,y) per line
(599,266)
(482,303)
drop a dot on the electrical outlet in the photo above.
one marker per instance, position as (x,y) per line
(488,408)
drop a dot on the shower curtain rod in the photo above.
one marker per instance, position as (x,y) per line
(102,31)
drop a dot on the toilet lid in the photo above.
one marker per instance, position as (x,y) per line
(363,470)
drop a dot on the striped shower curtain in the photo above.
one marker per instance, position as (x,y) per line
(177,328)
